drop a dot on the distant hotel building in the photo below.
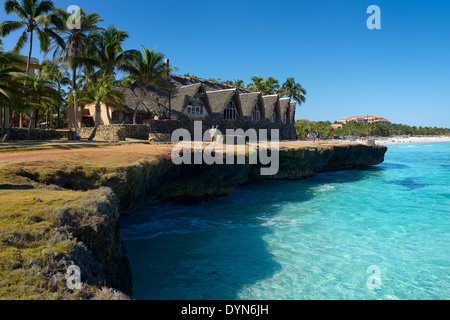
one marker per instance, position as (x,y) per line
(365,119)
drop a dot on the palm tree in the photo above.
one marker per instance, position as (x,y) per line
(147,68)
(272,86)
(107,52)
(9,73)
(76,41)
(239,83)
(10,94)
(258,84)
(41,94)
(101,92)
(59,77)
(75,44)
(293,90)
(35,17)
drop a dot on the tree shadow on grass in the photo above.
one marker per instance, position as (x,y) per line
(15,187)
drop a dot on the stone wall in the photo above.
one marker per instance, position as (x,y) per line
(116,132)
(287,131)
(119,132)
(35,134)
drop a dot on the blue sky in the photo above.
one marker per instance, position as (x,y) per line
(401,72)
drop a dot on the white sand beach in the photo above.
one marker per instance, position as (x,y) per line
(404,140)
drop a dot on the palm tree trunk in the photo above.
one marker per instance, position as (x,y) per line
(36,116)
(97,115)
(2,120)
(108,114)
(5,132)
(58,125)
(74,78)
(58,106)
(143,94)
(30,125)
(30,52)
(74,86)
(97,122)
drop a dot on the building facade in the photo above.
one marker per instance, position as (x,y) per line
(196,99)
(365,119)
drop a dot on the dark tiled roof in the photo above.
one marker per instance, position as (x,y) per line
(248,102)
(182,96)
(284,106)
(218,100)
(270,103)
(155,100)
(292,107)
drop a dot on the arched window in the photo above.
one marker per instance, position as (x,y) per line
(256,114)
(273,118)
(285,118)
(230,112)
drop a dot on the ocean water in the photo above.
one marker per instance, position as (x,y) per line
(303,240)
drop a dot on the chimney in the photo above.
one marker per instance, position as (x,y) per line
(167,66)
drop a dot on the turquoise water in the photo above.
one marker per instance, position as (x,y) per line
(302,240)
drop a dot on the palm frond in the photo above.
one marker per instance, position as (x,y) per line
(44,7)
(10,26)
(12,6)
(21,42)
(44,39)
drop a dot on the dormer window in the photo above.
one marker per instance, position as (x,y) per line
(256,114)
(196,106)
(273,118)
(230,113)
(285,118)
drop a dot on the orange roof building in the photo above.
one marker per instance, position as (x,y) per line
(365,119)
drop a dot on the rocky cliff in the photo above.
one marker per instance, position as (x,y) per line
(75,213)
(164,181)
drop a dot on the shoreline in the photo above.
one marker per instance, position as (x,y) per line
(407,140)
(62,207)
(381,141)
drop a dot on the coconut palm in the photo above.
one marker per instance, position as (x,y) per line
(258,84)
(106,51)
(9,74)
(75,41)
(36,17)
(41,95)
(293,90)
(101,92)
(147,68)
(239,83)
(11,95)
(272,86)
(59,78)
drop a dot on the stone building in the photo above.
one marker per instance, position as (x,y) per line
(191,99)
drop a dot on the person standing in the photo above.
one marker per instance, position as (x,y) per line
(214,133)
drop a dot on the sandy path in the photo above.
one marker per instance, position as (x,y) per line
(131,151)
(115,154)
